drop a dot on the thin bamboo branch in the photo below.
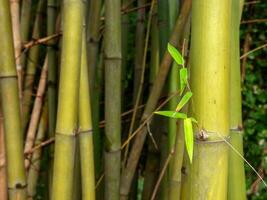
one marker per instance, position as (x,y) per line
(36,113)
(127,174)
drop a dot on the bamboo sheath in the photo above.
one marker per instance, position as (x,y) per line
(67,113)
(236,175)
(11,110)
(112,52)
(206,177)
(127,174)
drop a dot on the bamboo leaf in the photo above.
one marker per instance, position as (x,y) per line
(183,79)
(193,120)
(172,114)
(175,54)
(183,101)
(189,138)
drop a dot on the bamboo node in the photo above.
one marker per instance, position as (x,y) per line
(204,136)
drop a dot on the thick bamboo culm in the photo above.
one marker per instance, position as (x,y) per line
(67,112)
(11,110)
(86,131)
(128,173)
(236,175)
(3,175)
(206,177)
(112,52)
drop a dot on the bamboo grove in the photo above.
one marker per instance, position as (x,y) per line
(80,83)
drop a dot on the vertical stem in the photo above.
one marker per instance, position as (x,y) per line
(67,114)
(14,10)
(11,109)
(236,175)
(209,82)
(3,176)
(86,131)
(112,51)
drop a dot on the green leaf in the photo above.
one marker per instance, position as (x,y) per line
(183,79)
(193,120)
(172,114)
(175,54)
(183,101)
(189,137)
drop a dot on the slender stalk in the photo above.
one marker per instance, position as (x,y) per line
(93,37)
(127,174)
(14,10)
(25,20)
(86,130)
(112,52)
(36,113)
(3,176)
(32,62)
(35,162)
(209,82)
(16,179)
(236,175)
(67,114)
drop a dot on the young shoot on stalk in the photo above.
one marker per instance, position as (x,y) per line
(188,121)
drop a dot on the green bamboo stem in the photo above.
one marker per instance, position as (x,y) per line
(127,174)
(93,37)
(11,110)
(35,161)
(32,62)
(3,176)
(36,113)
(77,190)
(236,175)
(67,114)
(25,20)
(14,10)
(112,51)
(86,130)
(206,177)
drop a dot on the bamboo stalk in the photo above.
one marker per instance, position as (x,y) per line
(112,51)
(236,175)
(14,10)
(16,179)
(35,161)
(67,113)
(206,177)
(32,62)
(93,37)
(25,19)
(36,114)
(135,152)
(86,130)
(3,176)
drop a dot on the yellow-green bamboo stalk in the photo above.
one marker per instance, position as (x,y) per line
(3,177)
(209,70)
(112,51)
(14,10)
(32,63)
(36,113)
(11,109)
(67,114)
(86,130)
(35,161)
(236,175)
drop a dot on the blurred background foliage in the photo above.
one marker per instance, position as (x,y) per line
(253,34)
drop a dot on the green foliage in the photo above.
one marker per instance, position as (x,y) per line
(189,138)
(172,114)
(175,54)
(183,101)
